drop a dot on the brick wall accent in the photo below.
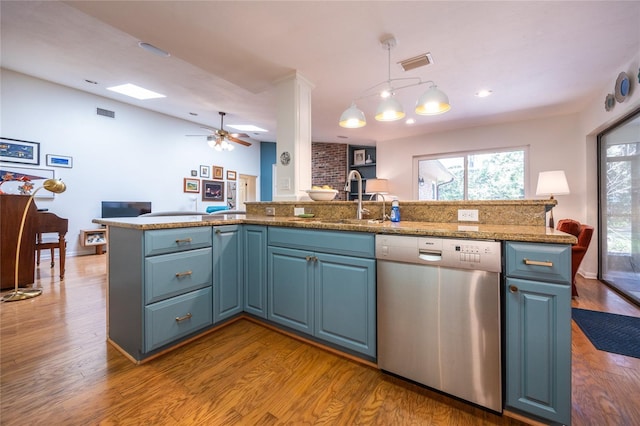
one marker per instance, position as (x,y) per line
(329,166)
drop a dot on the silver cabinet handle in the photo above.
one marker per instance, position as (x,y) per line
(513,289)
(183,240)
(183,274)
(184,318)
(538,262)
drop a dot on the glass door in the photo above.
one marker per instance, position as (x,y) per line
(619,206)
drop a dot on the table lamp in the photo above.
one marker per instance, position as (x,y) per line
(552,183)
(55,186)
(378,187)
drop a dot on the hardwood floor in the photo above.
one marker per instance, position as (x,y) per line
(56,368)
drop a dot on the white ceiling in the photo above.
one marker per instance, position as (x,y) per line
(539,58)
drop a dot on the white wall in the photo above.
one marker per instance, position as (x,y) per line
(562,142)
(138,156)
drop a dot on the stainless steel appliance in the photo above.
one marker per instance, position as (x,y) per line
(439,314)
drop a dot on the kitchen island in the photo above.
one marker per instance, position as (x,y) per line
(174,278)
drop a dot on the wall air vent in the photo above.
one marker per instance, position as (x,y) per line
(105,113)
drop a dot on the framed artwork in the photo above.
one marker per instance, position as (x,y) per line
(36,176)
(212,190)
(59,161)
(18,151)
(358,156)
(191,185)
(204,171)
(231,175)
(194,173)
(218,172)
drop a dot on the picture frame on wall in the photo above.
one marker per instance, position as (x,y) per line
(191,185)
(212,190)
(204,171)
(359,157)
(36,176)
(218,172)
(19,151)
(231,175)
(59,161)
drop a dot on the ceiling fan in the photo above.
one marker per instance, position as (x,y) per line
(220,139)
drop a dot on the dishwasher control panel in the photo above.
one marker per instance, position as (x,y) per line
(454,253)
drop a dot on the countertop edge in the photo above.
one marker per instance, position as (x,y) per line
(450,230)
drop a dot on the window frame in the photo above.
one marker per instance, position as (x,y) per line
(415,189)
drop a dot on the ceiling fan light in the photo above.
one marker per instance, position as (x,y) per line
(389,110)
(352,118)
(433,102)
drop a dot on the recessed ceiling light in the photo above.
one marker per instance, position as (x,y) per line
(410,121)
(135,91)
(484,93)
(152,49)
(246,127)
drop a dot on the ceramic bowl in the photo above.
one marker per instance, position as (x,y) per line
(322,194)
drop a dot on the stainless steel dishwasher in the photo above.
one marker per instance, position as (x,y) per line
(439,314)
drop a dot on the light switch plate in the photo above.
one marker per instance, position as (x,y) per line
(468,215)
(270,211)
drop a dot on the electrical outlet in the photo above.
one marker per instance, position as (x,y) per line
(468,215)
(270,211)
(297,211)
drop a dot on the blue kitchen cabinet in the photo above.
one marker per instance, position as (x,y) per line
(159,288)
(537,298)
(255,269)
(290,288)
(228,289)
(316,289)
(345,302)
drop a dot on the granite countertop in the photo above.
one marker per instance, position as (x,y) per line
(528,233)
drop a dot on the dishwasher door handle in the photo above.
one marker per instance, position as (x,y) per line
(430,256)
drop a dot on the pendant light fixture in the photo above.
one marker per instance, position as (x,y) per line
(432,102)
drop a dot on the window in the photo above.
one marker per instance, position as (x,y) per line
(481,175)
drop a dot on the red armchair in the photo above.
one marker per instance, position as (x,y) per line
(578,250)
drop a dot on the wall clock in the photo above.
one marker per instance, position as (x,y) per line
(285,158)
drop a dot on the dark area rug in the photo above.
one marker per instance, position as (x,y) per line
(619,334)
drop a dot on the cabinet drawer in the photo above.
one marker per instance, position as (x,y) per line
(357,244)
(546,262)
(173,318)
(176,273)
(163,241)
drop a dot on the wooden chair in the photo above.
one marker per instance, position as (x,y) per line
(48,223)
(578,250)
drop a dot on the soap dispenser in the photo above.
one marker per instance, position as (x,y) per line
(395,211)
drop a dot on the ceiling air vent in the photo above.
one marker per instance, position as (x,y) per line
(416,62)
(105,113)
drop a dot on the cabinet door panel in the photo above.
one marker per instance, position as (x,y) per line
(290,286)
(538,330)
(345,302)
(255,270)
(227,270)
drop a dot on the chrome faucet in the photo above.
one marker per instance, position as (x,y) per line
(347,187)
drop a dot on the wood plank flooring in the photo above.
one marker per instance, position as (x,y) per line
(56,368)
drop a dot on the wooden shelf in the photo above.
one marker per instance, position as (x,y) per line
(94,238)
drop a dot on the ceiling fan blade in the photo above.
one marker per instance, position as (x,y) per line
(202,136)
(236,140)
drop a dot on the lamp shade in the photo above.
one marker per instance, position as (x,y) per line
(552,183)
(352,118)
(432,102)
(389,110)
(379,186)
